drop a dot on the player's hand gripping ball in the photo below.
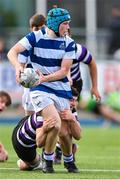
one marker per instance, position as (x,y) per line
(29,78)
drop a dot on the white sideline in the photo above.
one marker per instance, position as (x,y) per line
(81,170)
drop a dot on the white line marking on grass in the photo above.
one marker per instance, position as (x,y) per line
(100,170)
(9,168)
(99,157)
(81,170)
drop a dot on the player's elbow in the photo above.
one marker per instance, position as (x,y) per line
(40,142)
(9,54)
(77,134)
(77,137)
(64,71)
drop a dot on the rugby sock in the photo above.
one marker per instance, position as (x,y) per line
(48,157)
(68,158)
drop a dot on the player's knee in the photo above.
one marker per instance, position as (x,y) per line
(63,133)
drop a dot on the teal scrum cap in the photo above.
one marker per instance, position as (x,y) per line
(55,17)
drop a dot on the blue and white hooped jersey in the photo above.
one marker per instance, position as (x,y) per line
(46,54)
(24,58)
(82,55)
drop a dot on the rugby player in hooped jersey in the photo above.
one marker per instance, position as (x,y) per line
(53,52)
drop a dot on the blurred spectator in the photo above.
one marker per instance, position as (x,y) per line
(3,50)
(114,27)
(110,109)
(113,100)
(5,101)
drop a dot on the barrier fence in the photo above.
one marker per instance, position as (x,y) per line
(108,79)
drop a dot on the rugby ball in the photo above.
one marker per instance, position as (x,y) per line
(29,78)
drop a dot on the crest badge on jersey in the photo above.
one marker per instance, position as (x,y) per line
(62,46)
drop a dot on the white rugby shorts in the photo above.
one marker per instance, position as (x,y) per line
(41,99)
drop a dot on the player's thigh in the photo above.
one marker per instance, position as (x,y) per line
(51,112)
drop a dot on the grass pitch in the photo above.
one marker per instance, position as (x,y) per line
(98,157)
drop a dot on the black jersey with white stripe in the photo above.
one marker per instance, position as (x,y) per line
(26,134)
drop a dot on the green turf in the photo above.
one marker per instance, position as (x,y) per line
(98,157)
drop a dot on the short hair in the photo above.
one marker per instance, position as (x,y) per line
(74,91)
(37,20)
(8,98)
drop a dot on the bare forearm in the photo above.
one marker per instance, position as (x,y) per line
(55,76)
(75,129)
(63,72)
(13,54)
(40,137)
(93,73)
